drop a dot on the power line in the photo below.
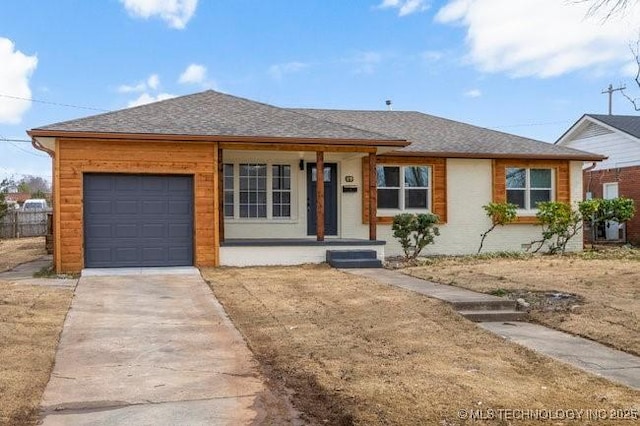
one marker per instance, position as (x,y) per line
(547,123)
(2,95)
(16,140)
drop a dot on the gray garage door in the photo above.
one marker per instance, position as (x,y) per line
(138,220)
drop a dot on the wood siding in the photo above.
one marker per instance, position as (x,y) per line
(622,150)
(562,181)
(75,157)
(438,190)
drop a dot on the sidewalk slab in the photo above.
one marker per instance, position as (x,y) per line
(150,349)
(447,293)
(23,274)
(585,354)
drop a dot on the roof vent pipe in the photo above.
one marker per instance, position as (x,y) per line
(388,102)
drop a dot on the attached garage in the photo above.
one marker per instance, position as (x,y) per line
(138,220)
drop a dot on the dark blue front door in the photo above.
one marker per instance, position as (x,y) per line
(330,199)
(138,220)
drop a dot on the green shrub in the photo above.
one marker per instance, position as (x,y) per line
(500,215)
(560,222)
(415,231)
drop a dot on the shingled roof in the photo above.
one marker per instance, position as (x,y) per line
(431,135)
(629,124)
(224,117)
(211,113)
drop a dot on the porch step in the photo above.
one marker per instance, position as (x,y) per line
(484,305)
(353,259)
(497,316)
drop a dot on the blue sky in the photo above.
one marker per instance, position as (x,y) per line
(529,67)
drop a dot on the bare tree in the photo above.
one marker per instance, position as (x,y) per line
(635,51)
(606,8)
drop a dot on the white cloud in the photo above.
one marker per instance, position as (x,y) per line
(405,7)
(146,98)
(277,71)
(197,74)
(194,74)
(176,13)
(15,71)
(473,93)
(366,62)
(542,38)
(152,82)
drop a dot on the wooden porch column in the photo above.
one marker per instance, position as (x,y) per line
(373,197)
(320,195)
(220,196)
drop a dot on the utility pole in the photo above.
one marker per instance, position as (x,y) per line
(610,91)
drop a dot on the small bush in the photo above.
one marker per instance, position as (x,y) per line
(414,232)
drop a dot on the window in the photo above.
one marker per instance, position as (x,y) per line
(228,191)
(257,191)
(281,187)
(404,187)
(253,190)
(528,187)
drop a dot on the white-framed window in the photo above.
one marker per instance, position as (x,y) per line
(404,187)
(526,187)
(259,191)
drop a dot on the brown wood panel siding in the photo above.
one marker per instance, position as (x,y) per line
(75,157)
(562,180)
(438,189)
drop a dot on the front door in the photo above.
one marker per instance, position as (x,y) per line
(330,199)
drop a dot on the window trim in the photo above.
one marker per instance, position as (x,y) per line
(293,218)
(528,210)
(403,188)
(562,182)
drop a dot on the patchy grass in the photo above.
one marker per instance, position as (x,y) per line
(357,352)
(605,287)
(31,319)
(16,251)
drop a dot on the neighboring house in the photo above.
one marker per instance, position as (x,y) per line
(210,179)
(618,138)
(18,197)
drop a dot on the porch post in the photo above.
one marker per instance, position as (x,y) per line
(373,197)
(220,196)
(320,195)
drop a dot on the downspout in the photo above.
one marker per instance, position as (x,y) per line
(37,145)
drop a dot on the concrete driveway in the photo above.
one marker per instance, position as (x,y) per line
(150,349)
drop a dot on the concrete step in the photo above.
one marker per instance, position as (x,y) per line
(485,305)
(494,316)
(355,263)
(351,254)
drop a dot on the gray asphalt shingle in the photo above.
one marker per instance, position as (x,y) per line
(211,113)
(629,124)
(435,135)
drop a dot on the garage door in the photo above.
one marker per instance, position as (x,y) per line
(138,220)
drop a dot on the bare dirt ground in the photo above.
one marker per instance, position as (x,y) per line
(31,319)
(352,351)
(13,252)
(593,294)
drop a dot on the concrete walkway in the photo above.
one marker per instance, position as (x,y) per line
(585,354)
(23,274)
(150,350)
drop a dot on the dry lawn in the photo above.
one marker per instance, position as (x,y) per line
(31,319)
(14,252)
(353,351)
(608,284)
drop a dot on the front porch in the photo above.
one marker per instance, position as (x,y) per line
(289,251)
